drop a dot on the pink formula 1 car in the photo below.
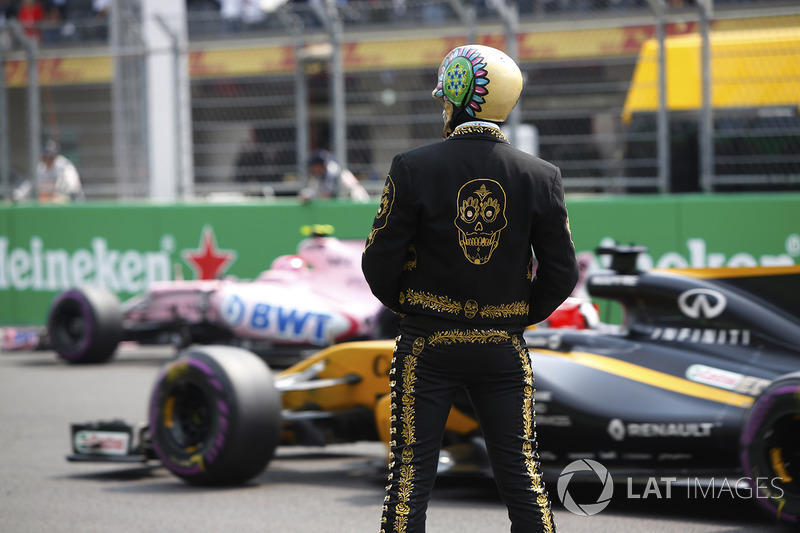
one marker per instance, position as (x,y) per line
(314,298)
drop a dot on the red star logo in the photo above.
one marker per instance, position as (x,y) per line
(208,261)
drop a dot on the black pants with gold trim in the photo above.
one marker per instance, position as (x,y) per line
(431,365)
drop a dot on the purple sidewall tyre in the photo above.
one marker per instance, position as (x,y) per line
(215,416)
(769,447)
(84,325)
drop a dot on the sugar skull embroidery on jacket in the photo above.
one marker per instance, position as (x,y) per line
(481,216)
(384,210)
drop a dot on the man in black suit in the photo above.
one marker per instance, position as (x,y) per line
(451,250)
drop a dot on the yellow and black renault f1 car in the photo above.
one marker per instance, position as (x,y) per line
(701,380)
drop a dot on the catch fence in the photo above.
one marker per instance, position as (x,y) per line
(713,109)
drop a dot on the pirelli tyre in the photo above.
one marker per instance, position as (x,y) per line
(770,449)
(84,325)
(215,416)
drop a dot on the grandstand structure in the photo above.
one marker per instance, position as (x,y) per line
(354,77)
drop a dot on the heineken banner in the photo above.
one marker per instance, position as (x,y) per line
(48,249)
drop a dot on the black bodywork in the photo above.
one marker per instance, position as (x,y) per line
(670,388)
(699,384)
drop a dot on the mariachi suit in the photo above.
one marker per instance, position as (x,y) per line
(450,250)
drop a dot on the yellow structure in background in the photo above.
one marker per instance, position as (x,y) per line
(749,69)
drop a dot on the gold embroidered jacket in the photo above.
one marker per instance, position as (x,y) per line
(454,234)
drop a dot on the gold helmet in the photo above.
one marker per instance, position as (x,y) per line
(479,80)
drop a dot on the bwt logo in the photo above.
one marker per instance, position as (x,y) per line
(702,303)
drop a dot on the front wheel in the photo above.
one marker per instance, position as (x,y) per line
(770,449)
(215,416)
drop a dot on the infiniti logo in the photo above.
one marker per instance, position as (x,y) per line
(702,303)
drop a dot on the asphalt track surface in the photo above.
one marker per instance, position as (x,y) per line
(321,490)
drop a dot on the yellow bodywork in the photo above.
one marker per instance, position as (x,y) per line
(727,272)
(370,361)
(749,69)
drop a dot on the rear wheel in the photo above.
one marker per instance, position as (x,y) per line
(215,416)
(770,449)
(85,325)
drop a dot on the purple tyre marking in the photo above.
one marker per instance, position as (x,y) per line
(754,423)
(786,389)
(79,298)
(204,368)
(762,409)
(219,439)
(756,418)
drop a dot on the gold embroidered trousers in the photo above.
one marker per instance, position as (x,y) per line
(432,364)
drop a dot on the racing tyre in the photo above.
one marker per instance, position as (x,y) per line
(85,325)
(770,449)
(215,416)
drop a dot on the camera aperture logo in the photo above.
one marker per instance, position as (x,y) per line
(745,488)
(591,508)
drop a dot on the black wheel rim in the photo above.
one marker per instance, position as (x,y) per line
(188,416)
(69,329)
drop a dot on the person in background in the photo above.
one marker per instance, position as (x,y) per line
(328,180)
(100,9)
(451,251)
(101,14)
(238,15)
(52,24)
(8,11)
(57,179)
(30,15)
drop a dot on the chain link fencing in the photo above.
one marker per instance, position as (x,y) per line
(264,93)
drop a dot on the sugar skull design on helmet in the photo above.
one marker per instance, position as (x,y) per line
(481,217)
(482,81)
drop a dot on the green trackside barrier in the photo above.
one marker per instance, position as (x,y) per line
(46,249)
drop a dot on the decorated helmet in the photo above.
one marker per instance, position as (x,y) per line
(481,81)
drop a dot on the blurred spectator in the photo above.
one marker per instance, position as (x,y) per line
(240,14)
(67,27)
(51,24)
(100,12)
(30,15)
(8,11)
(57,179)
(100,8)
(61,6)
(328,180)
